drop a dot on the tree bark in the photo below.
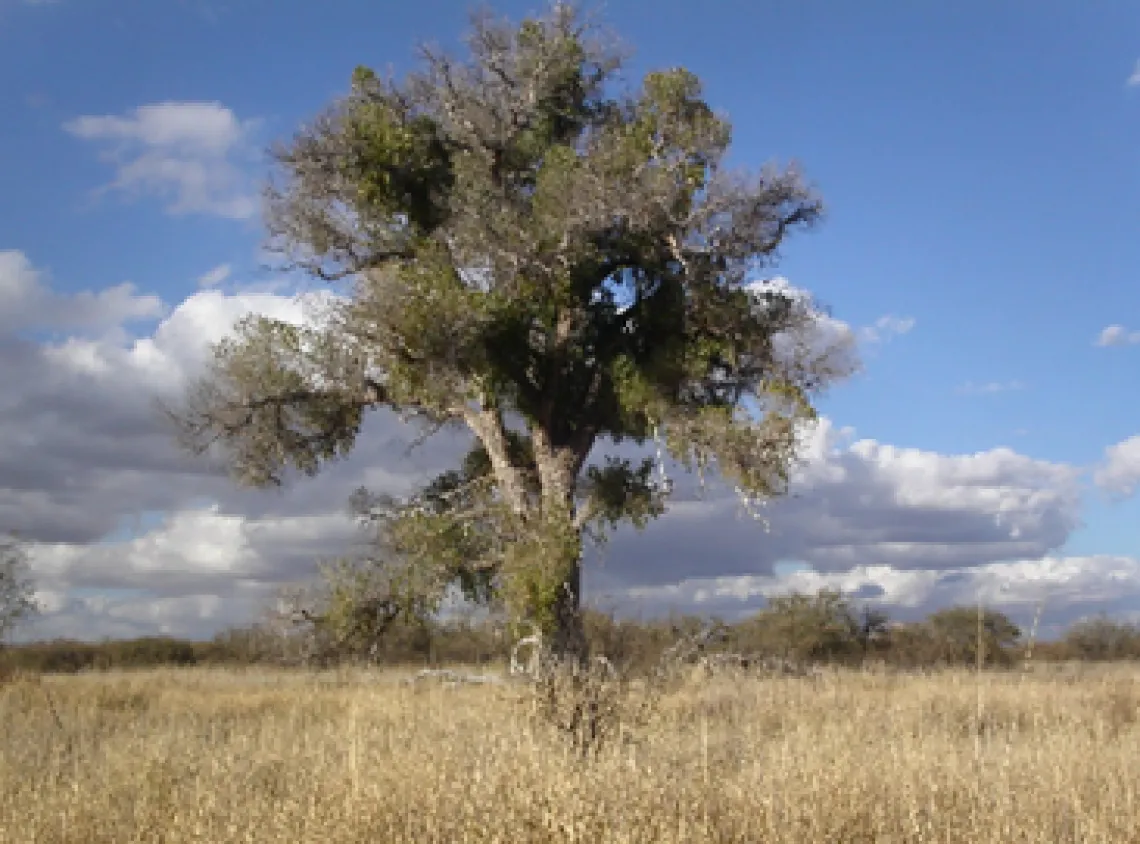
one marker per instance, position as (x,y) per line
(488,427)
(558,472)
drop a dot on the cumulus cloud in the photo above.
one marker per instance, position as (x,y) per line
(26,301)
(868,503)
(1119,472)
(989,388)
(81,442)
(1134,78)
(201,551)
(906,529)
(1117,335)
(189,154)
(1066,585)
(82,450)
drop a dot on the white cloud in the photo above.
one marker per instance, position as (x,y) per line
(189,154)
(198,549)
(885,328)
(178,345)
(910,516)
(990,388)
(1134,78)
(1119,473)
(26,301)
(129,614)
(1117,335)
(82,448)
(216,276)
(1017,587)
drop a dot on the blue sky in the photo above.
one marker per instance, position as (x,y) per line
(980,163)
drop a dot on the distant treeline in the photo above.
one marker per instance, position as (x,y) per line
(817,629)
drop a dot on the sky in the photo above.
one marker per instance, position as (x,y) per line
(980,164)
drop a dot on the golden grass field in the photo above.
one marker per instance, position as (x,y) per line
(213,755)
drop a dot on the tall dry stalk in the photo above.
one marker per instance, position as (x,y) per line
(1028,660)
(980,657)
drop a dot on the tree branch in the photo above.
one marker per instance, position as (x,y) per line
(487,424)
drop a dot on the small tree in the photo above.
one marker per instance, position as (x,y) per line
(546,261)
(16,588)
(360,602)
(803,627)
(1101,638)
(955,634)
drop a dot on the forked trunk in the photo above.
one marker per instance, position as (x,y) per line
(549,565)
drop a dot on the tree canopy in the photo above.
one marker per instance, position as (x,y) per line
(523,249)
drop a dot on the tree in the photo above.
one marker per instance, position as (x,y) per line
(527,252)
(956,635)
(809,628)
(358,603)
(16,588)
(1102,638)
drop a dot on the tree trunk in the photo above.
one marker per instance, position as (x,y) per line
(569,640)
(558,471)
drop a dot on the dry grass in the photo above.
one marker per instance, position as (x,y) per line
(219,756)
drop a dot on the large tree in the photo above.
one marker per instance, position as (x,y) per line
(527,251)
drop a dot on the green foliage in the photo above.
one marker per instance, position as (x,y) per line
(396,160)
(263,404)
(621,491)
(360,600)
(536,570)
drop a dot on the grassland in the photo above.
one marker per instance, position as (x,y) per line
(262,756)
